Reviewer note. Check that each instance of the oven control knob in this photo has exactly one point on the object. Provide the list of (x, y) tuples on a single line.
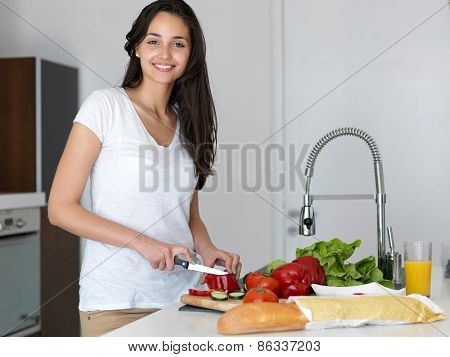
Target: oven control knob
[(20, 223)]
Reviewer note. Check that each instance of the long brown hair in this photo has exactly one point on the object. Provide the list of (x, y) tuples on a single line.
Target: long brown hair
[(191, 92)]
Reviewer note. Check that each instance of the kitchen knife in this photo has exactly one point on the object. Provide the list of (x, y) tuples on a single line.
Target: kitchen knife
[(198, 267)]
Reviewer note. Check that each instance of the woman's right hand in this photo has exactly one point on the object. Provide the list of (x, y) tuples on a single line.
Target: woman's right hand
[(161, 255)]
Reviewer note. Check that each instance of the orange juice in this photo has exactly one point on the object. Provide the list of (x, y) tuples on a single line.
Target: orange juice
[(418, 277)]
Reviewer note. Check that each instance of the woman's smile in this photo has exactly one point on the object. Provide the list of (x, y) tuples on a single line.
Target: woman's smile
[(165, 48), (163, 67)]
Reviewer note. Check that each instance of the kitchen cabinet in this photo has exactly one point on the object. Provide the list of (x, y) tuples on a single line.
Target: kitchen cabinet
[(38, 101), (18, 125), (60, 270)]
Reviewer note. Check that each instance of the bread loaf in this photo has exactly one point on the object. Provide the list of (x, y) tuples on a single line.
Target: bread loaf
[(261, 317)]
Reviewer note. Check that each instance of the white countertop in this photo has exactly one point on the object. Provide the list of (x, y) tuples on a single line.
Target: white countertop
[(22, 200), (170, 322)]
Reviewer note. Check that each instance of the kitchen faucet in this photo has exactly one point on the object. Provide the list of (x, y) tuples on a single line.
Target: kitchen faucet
[(307, 226)]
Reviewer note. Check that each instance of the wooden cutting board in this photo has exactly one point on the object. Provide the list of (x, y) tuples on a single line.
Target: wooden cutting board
[(207, 303)]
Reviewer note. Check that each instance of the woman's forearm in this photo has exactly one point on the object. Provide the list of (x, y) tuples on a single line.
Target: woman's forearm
[(200, 235), (77, 220)]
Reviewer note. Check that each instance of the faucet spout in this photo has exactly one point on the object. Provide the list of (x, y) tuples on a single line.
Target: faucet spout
[(308, 226), (307, 221)]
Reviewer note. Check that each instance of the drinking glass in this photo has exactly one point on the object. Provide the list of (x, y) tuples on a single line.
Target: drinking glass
[(418, 268)]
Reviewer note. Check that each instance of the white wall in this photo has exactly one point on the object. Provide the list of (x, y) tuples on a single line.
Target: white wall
[(90, 35), (238, 36), (401, 99)]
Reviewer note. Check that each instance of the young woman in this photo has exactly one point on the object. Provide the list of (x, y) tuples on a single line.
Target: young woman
[(148, 147)]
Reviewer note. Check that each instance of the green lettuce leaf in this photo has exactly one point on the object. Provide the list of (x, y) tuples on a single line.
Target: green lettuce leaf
[(387, 284), (364, 266), (331, 281), (332, 256), (275, 264)]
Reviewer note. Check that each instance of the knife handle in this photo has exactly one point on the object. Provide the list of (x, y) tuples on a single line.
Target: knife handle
[(181, 262)]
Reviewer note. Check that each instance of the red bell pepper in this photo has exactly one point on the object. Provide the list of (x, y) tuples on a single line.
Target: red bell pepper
[(296, 278), (195, 292), (222, 282), (315, 270)]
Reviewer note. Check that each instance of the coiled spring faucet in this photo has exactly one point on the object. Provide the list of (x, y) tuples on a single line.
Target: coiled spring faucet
[(307, 221)]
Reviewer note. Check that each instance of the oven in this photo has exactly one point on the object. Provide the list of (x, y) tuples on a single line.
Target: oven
[(19, 271)]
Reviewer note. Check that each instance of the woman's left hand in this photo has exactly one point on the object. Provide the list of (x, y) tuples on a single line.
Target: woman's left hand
[(212, 256)]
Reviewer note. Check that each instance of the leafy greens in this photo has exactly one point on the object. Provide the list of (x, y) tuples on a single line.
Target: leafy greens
[(333, 255)]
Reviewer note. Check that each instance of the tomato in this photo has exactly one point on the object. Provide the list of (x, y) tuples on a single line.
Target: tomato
[(267, 283), (250, 278), (253, 280), (260, 295)]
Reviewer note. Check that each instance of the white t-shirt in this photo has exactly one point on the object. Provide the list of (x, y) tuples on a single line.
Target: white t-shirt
[(143, 186)]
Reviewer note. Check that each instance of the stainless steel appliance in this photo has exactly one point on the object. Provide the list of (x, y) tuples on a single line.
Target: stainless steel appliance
[(19, 271)]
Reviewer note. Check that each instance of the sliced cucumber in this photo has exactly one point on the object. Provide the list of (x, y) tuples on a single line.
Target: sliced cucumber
[(237, 295), (219, 296)]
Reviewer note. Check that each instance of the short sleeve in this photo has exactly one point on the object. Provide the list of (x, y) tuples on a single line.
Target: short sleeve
[(94, 114)]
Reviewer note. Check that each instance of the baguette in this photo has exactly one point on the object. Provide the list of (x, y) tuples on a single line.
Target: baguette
[(261, 317)]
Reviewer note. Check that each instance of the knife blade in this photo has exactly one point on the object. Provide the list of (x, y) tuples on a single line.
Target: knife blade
[(198, 267)]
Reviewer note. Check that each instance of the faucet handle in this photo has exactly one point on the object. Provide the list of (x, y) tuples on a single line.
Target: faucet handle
[(392, 269), (397, 273), (391, 239)]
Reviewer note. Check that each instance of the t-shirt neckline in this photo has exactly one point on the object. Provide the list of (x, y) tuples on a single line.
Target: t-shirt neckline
[(147, 133)]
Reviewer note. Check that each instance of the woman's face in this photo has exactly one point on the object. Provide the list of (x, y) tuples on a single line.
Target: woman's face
[(164, 52)]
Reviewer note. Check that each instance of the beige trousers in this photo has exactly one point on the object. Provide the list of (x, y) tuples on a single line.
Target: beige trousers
[(97, 323)]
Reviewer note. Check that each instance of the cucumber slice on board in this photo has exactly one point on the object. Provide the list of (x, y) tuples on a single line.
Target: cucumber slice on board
[(219, 296), (237, 295)]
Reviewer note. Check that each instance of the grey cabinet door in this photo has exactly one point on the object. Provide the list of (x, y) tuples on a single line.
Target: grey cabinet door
[(59, 98)]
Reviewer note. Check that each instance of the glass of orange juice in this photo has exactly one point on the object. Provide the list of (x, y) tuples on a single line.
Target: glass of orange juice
[(418, 268)]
